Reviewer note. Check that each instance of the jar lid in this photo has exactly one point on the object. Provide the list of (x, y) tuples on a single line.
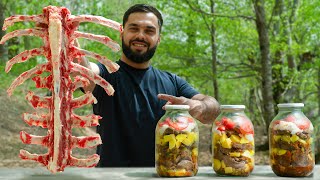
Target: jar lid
[(169, 106), (287, 105), (232, 107)]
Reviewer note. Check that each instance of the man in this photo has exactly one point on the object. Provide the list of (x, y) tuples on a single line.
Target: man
[(130, 116)]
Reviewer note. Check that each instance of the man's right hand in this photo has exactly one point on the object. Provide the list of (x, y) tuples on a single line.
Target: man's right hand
[(90, 65)]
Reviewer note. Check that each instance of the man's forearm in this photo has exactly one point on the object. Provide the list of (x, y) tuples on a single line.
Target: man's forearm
[(84, 62), (90, 65)]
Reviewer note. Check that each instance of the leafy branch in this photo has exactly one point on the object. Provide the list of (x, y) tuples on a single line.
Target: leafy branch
[(232, 17)]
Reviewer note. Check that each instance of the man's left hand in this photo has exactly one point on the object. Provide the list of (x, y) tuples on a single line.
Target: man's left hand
[(203, 108)]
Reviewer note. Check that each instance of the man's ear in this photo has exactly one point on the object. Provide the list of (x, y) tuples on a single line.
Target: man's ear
[(121, 35), (159, 39)]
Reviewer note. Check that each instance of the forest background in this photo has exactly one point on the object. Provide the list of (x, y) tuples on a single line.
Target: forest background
[(253, 52)]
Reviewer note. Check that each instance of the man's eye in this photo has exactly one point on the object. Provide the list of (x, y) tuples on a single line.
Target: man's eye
[(150, 31), (133, 29)]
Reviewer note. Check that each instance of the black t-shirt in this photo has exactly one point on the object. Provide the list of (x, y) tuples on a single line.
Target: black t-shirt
[(130, 116)]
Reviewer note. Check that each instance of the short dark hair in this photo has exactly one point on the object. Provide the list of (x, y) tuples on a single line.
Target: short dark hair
[(143, 8)]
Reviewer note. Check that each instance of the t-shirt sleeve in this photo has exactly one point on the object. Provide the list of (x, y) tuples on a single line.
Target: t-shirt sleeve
[(184, 88)]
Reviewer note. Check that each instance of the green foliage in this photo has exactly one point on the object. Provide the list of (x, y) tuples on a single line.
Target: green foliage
[(105, 8), (186, 46), (238, 51)]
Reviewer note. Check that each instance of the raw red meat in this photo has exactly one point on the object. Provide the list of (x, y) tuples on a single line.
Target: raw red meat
[(58, 32)]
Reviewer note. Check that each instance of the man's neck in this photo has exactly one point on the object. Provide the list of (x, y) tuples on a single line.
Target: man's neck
[(144, 65)]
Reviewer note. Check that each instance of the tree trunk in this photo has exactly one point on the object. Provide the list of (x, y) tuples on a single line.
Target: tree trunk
[(282, 30), (3, 48), (278, 58), (292, 90), (317, 133), (318, 90), (214, 54), (266, 69), (290, 21), (191, 40)]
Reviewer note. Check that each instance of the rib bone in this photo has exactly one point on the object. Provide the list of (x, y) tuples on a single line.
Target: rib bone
[(22, 57), (103, 39), (58, 31), (13, 19)]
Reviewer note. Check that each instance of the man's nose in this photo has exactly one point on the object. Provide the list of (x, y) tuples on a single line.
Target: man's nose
[(141, 35)]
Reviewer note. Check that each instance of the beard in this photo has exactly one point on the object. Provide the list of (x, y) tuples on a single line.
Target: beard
[(136, 56)]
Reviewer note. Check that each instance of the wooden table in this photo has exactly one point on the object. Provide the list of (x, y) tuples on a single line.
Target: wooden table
[(205, 173)]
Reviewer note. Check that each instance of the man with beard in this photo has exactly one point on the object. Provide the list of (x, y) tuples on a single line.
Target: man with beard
[(129, 118)]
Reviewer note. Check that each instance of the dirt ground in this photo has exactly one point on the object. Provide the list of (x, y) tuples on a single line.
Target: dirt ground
[(11, 124)]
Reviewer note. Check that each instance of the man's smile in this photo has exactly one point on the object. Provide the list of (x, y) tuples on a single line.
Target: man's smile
[(139, 46)]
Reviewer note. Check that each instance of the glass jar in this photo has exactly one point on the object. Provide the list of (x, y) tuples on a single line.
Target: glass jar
[(291, 145), (177, 139), (233, 142)]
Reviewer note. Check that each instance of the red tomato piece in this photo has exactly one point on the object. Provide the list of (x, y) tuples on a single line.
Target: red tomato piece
[(228, 123), (246, 128), (302, 123), (276, 122), (180, 124), (221, 128), (290, 118), (218, 123), (165, 122)]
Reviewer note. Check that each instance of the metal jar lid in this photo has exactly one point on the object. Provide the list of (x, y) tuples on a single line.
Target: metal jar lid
[(229, 107), (290, 105), (169, 106)]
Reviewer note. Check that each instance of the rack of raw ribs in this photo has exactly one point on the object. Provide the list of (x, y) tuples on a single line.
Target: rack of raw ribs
[(58, 30)]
